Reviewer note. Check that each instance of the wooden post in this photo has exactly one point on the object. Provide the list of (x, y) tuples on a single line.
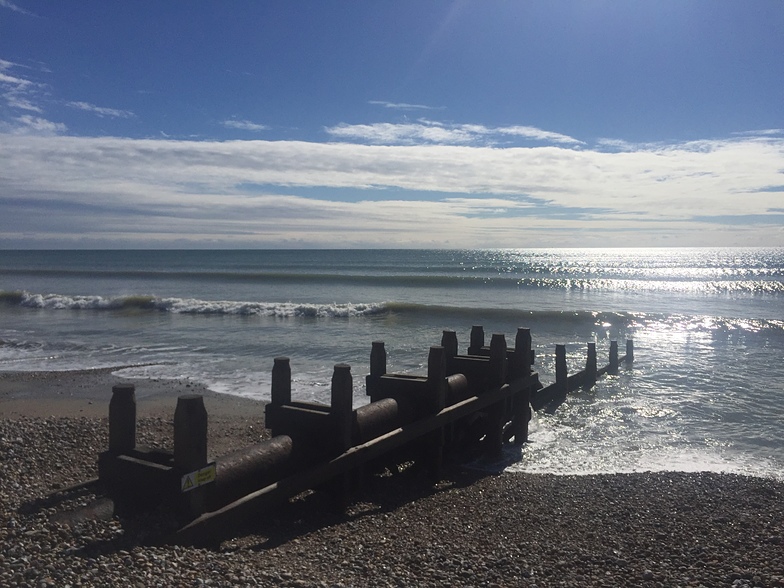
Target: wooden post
[(341, 408), (520, 364), (495, 412), (613, 367), (378, 367), (590, 365), (122, 419), (190, 449), (477, 340), (281, 381), (342, 403), (629, 350), (561, 374), (449, 343), (436, 383), (521, 403)]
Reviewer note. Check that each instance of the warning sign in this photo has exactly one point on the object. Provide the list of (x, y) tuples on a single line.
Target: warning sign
[(198, 478)]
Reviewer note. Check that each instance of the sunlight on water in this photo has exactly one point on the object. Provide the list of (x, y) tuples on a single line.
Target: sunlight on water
[(704, 392)]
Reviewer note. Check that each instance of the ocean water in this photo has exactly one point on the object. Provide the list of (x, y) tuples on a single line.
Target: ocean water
[(706, 390)]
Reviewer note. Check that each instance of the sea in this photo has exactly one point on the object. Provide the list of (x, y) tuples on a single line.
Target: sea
[(704, 393)]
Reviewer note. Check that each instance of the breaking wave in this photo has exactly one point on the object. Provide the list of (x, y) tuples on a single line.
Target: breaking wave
[(141, 303)]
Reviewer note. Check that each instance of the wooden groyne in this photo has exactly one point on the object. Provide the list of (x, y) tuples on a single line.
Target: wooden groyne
[(551, 397), (466, 405)]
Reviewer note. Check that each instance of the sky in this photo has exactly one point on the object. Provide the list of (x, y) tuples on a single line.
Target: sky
[(439, 124)]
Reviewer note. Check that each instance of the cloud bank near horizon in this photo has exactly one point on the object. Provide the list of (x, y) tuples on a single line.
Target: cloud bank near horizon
[(424, 183), (96, 190)]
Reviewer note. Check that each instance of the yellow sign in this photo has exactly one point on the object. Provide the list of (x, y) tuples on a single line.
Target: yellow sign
[(198, 478)]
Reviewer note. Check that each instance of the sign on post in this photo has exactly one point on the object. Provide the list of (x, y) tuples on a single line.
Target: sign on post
[(198, 478)]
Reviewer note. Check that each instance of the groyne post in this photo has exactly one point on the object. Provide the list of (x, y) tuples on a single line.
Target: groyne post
[(378, 367), (477, 340), (122, 419), (281, 381), (613, 367), (629, 350), (495, 412), (590, 365), (341, 409), (341, 404), (561, 374), (436, 384), (449, 343), (521, 403), (190, 449)]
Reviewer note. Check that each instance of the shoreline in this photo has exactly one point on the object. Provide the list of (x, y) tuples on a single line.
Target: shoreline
[(87, 392), (508, 529)]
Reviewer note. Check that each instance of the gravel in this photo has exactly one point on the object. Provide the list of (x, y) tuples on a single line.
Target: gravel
[(471, 529)]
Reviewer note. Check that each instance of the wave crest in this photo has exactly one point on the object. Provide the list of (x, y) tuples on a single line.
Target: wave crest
[(189, 305)]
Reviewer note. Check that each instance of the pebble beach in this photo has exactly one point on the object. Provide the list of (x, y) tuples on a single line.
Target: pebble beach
[(472, 528)]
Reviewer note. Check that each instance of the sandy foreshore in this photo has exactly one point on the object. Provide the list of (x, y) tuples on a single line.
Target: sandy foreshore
[(471, 529)]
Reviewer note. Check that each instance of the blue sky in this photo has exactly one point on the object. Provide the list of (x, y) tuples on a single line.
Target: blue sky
[(391, 124)]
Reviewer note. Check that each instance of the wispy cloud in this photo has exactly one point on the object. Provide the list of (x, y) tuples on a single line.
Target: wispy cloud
[(243, 125), (404, 105), (11, 6), (33, 125), (147, 191), (433, 132), (100, 110), (761, 133), (18, 92)]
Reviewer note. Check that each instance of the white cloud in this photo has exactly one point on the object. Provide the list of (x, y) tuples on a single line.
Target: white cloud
[(761, 133), (11, 6), (243, 125), (19, 93), (419, 195), (403, 105), (434, 132), (536, 134), (100, 110), (35, 125)]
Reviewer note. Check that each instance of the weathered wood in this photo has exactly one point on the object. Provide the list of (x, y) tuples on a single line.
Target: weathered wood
[(122, 419), (341, 405), (561, 374), (477, 340), (281, 382), (215, 525), (190, 448), (590, 365), (613, 367), (378, 367), (496, 377), (629, 351), (449, 343)]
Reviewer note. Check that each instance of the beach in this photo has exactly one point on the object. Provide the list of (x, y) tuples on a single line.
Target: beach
[(473, 528)]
